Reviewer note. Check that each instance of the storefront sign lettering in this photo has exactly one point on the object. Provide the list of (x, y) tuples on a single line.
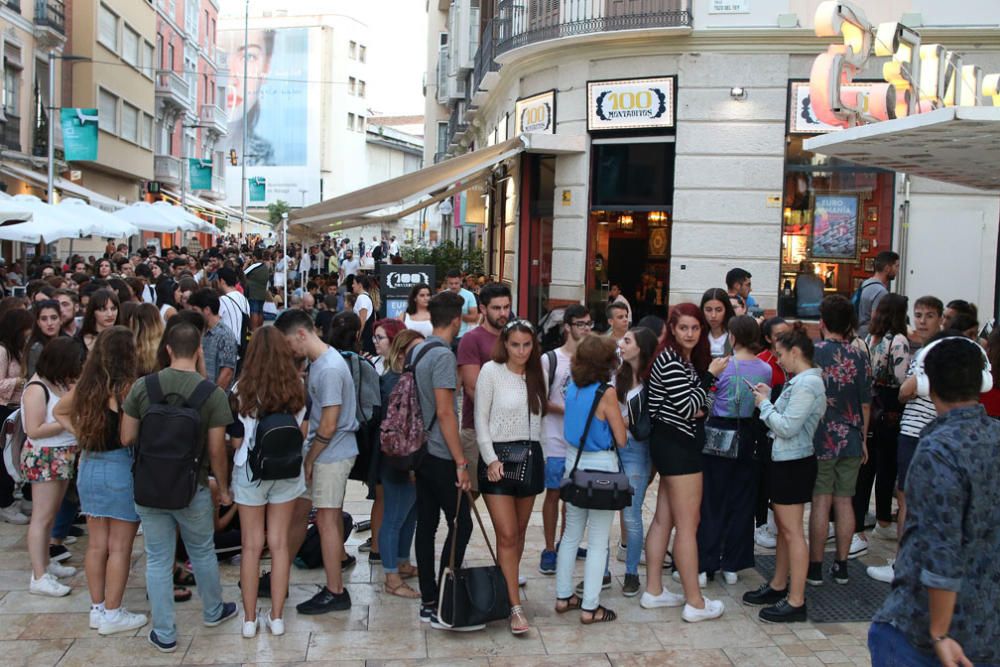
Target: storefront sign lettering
[(536, 114), (631, 104), (918, 77)]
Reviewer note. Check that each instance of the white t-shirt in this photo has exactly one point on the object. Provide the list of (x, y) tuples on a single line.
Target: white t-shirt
[(394, 248), (718, 345), (350, 267), (232, 307), (279, 273), (363, 302), (918, 411), (553, 442)]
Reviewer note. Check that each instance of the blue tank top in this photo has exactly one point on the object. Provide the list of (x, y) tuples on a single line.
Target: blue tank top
[(578, 403)]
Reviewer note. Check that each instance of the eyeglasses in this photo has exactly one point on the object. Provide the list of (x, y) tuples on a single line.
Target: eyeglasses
[(378, 338), (583, 324)]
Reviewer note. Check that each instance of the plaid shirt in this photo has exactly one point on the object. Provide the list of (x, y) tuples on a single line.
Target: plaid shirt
[(220, 348)]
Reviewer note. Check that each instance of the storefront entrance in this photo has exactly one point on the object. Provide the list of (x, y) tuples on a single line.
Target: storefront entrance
[(538, 184)]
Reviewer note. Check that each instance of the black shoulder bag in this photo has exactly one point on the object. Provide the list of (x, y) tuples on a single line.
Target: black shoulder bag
[(596, 489)]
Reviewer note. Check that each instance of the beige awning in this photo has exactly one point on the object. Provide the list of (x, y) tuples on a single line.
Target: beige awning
[(67, 186), (440, 180)]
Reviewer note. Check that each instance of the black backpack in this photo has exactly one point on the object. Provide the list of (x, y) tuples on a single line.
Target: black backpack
[(310, 555), (170, 447), (242, 336), (277, 449)]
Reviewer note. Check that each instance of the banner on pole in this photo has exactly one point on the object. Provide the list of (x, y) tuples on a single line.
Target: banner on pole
[(79, 128), (200, 173), (258, 188)]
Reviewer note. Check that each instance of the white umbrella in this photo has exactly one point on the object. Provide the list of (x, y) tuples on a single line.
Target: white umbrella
[(101, 223), (145, 216), (9, 210), (47, 224), (191, 222)]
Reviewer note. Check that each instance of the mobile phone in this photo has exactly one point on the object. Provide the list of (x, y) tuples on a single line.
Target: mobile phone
[(20, 292), (749, 384)]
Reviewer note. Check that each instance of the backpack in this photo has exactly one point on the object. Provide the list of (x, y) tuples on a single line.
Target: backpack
[(403, 435), (552, 361), (277, 449), (242, 336), (377, 253), (170, 447), (15, 437), (310, 555), (856, 297), (367, 413)]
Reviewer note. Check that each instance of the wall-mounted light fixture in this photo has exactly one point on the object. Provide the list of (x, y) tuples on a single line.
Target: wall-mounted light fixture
[(738, 93)]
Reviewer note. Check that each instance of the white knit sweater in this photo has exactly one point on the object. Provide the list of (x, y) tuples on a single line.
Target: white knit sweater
[(502, 410)]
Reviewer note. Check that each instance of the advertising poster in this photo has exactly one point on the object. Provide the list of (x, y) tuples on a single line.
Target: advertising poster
[(535, 114), (835, 228), (281, 109), (79, 130), (396, 280), (257, 186), (630, 104), (200, 173)]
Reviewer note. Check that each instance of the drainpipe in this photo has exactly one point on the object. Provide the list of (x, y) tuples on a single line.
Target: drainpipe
[(904, 235)]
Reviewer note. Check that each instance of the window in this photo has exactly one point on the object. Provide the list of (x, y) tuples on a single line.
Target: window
[(146, 131), (170, 57), (148, 59), (107, 28), (442, 39), (352, 50), (130, 123), (350, 121), (359, 125), (352, 86), (362, 53), (159, 50), (442, 138), (361, 88), (131, 43), (11, 95), (107, 110)]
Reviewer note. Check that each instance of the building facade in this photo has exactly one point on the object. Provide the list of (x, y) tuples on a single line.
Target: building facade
[(677, 130)]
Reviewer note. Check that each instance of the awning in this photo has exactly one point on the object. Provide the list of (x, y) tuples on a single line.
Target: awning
[(211, 209), (67, 186), (403, 190), (954, 145)]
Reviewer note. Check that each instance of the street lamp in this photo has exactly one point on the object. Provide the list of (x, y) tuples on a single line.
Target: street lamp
[(51, 177), (284, 253)]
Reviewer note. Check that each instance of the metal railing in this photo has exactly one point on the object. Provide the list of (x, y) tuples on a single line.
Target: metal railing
[(171, 83), (52, 14), (440, 156), (213, 115), (11, 132), (484, 60), (520, 23), (456, 123), (14, 5)]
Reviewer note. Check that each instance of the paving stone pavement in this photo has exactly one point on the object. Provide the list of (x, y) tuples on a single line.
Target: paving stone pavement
[(382, 630)]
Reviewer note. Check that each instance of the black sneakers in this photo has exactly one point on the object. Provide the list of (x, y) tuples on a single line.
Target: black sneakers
[(605, 584), (783, 613), (325, 601), (839, 572), (631, 586), (815, 575), (350, 561), (765, 595)]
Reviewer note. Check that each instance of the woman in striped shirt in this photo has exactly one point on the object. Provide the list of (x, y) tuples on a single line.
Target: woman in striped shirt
[(678, 398)]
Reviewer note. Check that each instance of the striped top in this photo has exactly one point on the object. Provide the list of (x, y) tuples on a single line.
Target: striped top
[(918, 411), (674, 391)]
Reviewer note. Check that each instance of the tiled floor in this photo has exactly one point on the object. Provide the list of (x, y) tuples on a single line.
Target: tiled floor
[(384, 630)]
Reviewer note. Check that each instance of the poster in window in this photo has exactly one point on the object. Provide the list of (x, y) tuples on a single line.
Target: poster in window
[(835, 228), (658, 242)]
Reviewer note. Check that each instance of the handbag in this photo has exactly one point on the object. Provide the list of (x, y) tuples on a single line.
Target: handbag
[(472, 595), (640, 425), (725, 442), (596, 489), (517, 460)]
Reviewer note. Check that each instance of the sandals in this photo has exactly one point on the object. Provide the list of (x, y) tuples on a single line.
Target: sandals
[(518, 621), (181, 594), (572, 602), (407, 572), (403, 590), (606, 616)]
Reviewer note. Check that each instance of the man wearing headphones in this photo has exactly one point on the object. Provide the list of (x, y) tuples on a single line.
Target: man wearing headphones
[(942, 608)]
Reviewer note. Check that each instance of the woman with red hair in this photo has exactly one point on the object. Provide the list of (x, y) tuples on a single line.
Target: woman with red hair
[(678, 385)]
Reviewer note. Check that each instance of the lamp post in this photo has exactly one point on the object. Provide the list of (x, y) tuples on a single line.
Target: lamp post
[(284, 253), (52, 108), (243, 162)]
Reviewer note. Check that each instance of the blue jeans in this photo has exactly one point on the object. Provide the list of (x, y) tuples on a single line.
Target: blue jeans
[(197, 530), (399, 521), (890, 648), (64, 517), (635, 459)]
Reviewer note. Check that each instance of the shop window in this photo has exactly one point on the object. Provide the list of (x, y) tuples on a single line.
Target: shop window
[(836, 219)]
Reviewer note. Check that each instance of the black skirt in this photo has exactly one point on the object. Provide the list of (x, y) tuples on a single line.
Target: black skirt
[(507, 487), (792, 482)]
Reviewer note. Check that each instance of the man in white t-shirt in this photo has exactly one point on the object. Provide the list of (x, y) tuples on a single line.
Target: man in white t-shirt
[(615, 296), (232, 305), (350, 266), (577, 323), (393, 247)]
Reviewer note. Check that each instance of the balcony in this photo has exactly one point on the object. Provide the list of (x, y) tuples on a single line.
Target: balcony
[(174, 90), (214, 119), (13, 5), (11, 132), (167, 169), (440, 156), (485, 72), (520, 24), (456, 125), (50, 23), (218, 191)]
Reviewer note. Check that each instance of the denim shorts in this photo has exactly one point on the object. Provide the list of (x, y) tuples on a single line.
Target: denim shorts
[(256, 306), (555, 468), (265, 492), (104, 483)]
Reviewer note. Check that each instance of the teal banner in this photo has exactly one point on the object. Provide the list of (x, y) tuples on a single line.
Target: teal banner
[(258, 188), (200, 173), (79, 128)]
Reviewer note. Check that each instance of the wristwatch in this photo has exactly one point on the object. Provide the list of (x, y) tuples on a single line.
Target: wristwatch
[(461, 465), (937, 640)]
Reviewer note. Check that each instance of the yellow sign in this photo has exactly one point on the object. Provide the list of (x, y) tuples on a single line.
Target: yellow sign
[(567, 197)]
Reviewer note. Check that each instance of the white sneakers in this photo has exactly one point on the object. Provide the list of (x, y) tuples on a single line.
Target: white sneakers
[(763, 537), (96, 616), (58, 570), (713, 609), (664, 599), (13, 515), (883, 573), (702, 578), (48, 585), (730, 577), (859, 546), (120, 620), (275, 625), (885, 532)]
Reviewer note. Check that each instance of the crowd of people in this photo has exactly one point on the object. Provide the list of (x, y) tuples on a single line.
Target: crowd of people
[(150, 392)]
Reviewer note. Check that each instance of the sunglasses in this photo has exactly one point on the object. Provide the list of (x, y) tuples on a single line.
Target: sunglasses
[(519, 323)]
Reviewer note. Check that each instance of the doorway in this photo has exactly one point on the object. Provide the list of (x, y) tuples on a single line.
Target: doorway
[(538, 182)]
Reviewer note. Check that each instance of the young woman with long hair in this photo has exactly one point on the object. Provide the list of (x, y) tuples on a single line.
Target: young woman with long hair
[(92, 412), (766, 532), (638, 346), (399, 514), (47, 324), (103, 269), (386, 331), (793, 419), (417, 316), (510, 403), (593, 366), (725, 534), (148, 329), (678, 397), (269, 383), (718, 310), (15, 327), (48, 457), (101, 314)]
